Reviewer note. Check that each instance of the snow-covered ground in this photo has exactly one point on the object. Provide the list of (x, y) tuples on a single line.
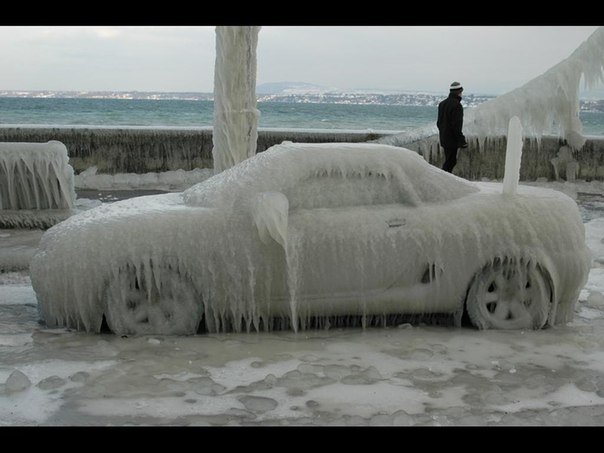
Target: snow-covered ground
[(407, 375)]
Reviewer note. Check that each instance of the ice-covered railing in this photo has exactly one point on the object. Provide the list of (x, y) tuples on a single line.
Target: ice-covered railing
[(36, 184), (547, 103), (407, 137), (133, 149), (173, 180)]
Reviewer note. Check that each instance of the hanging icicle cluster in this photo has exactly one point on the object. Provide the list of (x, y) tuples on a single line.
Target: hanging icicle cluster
[(548, 102), (546, 105), (36, 184)]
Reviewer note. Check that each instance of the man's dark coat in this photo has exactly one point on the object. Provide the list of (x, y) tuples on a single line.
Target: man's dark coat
[(450, 122)]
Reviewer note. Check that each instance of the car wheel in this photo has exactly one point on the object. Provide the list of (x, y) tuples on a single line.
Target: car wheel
[(160, 302), (510, 294)]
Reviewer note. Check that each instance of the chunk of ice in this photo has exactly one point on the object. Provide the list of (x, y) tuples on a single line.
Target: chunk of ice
[(17, 382)]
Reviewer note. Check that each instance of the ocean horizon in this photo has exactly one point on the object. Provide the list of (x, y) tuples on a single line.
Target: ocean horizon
[(187, 113)]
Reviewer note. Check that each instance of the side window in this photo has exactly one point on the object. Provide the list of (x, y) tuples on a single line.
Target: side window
[(335, 189)]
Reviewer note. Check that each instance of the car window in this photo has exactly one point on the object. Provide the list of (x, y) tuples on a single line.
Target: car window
[(334, 189), (328, 175)]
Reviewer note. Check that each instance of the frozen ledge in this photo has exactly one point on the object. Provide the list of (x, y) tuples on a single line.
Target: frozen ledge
[(32, 219), (141, 150)]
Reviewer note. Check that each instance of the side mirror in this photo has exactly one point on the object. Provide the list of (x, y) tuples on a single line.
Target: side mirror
[(270, 213)]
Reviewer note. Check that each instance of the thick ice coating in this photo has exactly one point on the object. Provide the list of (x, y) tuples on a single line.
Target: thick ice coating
[(549, 101), (547, 104), (303, 235), (36, 184), (235, 113)]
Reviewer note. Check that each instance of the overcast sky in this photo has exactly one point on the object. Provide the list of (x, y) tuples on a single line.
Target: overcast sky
[(485, 59)]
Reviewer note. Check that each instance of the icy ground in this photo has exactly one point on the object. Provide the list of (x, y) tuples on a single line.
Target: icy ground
[(407, 375)]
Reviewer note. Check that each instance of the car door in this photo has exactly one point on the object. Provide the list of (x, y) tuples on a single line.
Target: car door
[(349, 235)]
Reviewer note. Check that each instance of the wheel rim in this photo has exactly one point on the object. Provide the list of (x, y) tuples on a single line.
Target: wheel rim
[(136, 306), (509, 296)]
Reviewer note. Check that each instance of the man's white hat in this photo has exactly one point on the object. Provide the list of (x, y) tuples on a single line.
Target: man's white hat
[(455, 86)]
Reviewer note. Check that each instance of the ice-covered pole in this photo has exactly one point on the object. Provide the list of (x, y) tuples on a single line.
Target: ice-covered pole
[(235, 132), (513, 156)]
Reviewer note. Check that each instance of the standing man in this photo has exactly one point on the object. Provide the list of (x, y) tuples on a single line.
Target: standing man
[(449, 123)]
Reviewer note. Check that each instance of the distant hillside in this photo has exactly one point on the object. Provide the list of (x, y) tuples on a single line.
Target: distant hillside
[(293, 92), (290, 88)]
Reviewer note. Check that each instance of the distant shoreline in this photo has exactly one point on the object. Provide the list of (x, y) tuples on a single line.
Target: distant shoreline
[(410, 99)]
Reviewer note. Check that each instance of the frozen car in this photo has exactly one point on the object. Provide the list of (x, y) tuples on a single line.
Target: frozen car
[(308, 232)]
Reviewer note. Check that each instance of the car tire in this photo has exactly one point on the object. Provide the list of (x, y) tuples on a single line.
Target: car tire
[(510, 294), (137, 306)]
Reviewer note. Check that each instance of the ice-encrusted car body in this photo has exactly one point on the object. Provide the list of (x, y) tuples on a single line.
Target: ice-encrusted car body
[(303, 232)]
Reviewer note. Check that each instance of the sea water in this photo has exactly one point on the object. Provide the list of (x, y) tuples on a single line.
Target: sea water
[(200, 113)]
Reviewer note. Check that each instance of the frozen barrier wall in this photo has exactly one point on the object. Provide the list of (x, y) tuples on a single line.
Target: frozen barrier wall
[(144, 150), (485, 158), (36, 184), (123, 150)]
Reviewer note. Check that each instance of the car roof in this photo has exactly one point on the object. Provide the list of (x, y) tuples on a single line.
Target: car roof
[(281, 166)]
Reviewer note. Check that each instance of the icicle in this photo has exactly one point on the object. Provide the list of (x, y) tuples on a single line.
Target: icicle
[(292, 258)]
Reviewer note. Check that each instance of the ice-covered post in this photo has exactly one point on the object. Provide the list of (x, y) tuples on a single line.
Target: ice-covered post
[(235, 134), (513, 156)]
